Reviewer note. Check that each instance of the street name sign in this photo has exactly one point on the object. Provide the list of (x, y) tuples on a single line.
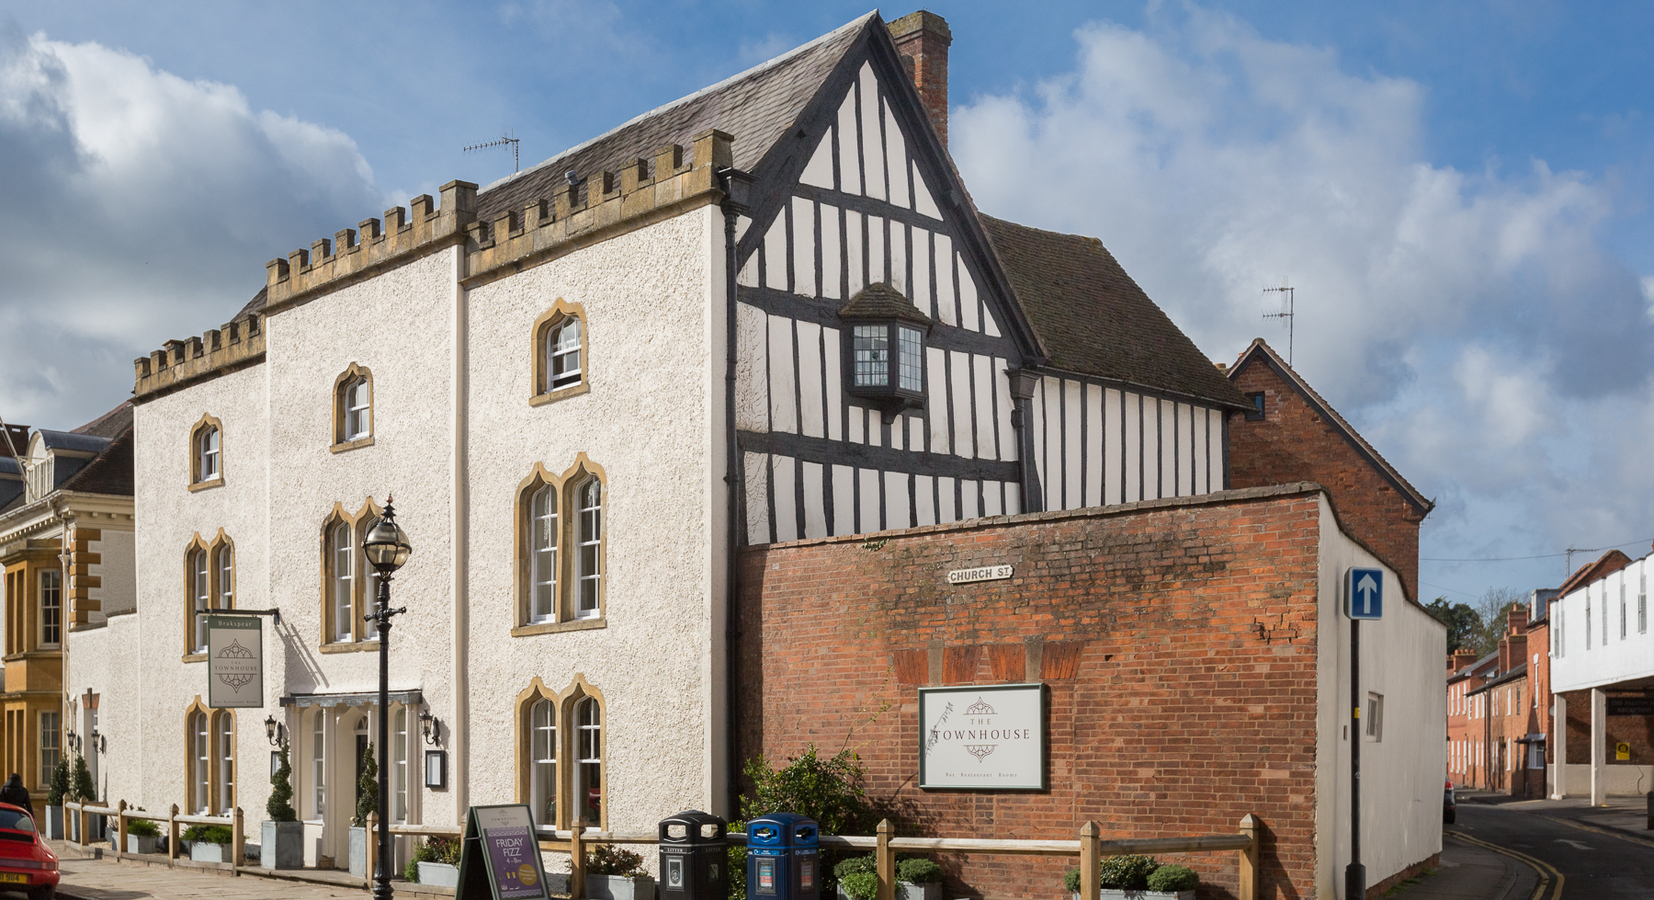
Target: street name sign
[(235, 662), (500, 855), (1364, 589), (984, 573)]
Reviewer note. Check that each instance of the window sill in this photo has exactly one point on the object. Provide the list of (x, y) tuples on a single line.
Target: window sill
[(215, 481), (556, 627), (350, 646), (344, 446), (573, 390), (194, 657)]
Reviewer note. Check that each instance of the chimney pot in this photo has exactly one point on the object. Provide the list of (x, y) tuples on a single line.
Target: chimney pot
[(923, 37)]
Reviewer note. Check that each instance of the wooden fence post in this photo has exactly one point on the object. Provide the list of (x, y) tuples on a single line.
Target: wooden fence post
[(373, 845), (120, 828), (238, 840), (577, 853), (1249, 859), (172, 833), (1091, 862), (885, 860), (84, 822)]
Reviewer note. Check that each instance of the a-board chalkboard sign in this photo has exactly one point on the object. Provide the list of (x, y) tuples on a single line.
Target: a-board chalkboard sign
[(500, 856)]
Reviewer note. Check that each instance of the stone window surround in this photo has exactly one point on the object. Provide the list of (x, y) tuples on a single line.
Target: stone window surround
[(363, 636), (210, 549), (567, 549), (351, 375), (215, 763), (197, 483), (561, 311), (565, 702)]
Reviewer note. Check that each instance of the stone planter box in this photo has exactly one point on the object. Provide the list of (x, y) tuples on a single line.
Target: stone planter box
[(439, 874), (359, 852), (620, 887), (136, 843), (281, 845), (907, 890), (1118, 894), (201, 851), (54, 823)]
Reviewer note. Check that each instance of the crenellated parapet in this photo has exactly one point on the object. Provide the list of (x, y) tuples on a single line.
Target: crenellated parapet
[(602, 204), (182, 362), (356, 253)]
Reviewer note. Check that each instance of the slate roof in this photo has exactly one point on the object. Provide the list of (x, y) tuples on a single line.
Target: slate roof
[(1261, 351), (756, 107), (111, 424), (110, 473), (1090, 317)]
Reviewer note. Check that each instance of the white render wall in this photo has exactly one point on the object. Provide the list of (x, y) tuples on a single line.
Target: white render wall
[(653, 421), (1403, 774), (1607, 654), (454, 436)]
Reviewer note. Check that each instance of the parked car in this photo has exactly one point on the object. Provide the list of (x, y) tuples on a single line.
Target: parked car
[(26, 863), (1450, 807)]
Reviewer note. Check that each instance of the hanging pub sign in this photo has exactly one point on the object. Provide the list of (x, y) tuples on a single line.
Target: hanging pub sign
[(984, 737), (235, 662), (500, 856)]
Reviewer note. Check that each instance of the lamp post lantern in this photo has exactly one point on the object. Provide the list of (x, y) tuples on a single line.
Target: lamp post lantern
[(387, 548)]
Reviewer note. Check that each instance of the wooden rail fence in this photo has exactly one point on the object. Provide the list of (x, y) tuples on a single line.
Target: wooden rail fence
[(1090, 848)]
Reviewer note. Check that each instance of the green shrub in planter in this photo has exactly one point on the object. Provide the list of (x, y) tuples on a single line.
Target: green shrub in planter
[(433, 850), (146, 828), (923, 871), (1071, 881), (1128, 873), (607, 859), (1173, 879), (59, 785), (209, 834), (859, 885), (857, 865)]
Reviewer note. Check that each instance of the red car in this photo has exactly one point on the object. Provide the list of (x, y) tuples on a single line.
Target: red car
[(26, 863)]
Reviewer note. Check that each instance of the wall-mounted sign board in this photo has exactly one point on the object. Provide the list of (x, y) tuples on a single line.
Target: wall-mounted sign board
[(235, 662), (984, 737), (983, 573), (500, 855)]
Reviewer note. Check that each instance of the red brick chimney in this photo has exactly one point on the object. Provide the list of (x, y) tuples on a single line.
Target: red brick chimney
[(1517, 619), (923, 39)]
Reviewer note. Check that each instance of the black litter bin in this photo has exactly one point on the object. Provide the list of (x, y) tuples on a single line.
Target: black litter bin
[(693, 857), (783, 858)]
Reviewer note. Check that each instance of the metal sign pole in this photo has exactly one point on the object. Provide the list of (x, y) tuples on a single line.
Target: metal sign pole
[(1355, 874)]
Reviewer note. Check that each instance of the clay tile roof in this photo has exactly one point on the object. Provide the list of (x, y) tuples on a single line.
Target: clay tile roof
[(110, 473), (1090, 317), (757, 107), (1261, 351), (110, 424), (881, 301)]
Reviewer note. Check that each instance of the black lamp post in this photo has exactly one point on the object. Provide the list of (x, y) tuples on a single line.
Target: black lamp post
[(386, 548)]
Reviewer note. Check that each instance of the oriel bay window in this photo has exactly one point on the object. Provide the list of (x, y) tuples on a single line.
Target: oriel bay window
[(560, 548), (885, 352), (554, 726), (209, 584), (350, 587)]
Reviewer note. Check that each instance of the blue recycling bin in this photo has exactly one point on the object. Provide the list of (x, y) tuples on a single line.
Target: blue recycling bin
[(693, 857), (783, 858)]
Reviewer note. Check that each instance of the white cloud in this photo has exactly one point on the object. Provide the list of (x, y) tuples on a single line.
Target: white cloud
[(141, 206), (1471, 322)]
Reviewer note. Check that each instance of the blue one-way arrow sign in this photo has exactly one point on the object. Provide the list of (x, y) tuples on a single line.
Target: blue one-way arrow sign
[(1365, 590)]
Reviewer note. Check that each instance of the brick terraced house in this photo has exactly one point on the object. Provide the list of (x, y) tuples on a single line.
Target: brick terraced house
[(690, 426)]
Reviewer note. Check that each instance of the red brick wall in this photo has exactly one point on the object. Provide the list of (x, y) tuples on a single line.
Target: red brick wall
[(1638, 731), (1177, 640), (1292, 443)]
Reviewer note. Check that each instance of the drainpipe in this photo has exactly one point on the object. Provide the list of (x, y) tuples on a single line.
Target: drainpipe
[(459, 734), (1023, 383), (735, 185)]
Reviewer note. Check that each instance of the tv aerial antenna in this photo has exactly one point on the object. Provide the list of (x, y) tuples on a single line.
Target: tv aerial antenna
[(501, 141), (1288, 311)]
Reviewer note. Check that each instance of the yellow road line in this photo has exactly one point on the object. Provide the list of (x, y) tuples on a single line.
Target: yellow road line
[(1595, 830), (1540, 867)]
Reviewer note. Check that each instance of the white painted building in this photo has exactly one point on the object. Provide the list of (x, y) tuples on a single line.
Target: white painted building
[(1600, 643)]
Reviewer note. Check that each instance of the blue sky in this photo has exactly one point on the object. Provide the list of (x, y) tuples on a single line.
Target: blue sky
[(1460, 193)]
